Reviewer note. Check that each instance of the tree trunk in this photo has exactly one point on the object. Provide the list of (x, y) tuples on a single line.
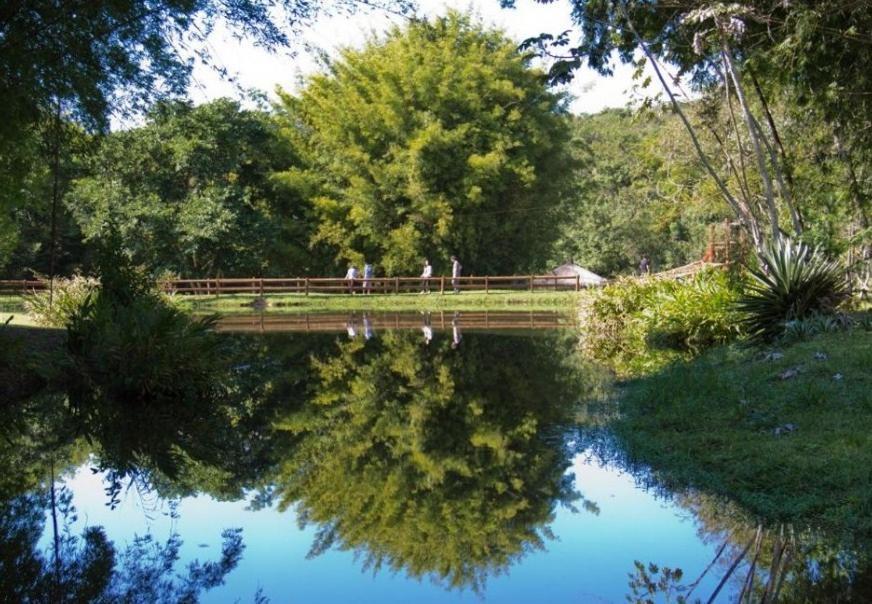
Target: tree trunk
[(741, 213), (755, 140), (55, 194)]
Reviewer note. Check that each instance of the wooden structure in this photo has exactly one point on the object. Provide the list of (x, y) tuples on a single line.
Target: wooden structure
[(726, 243), (21, 286), (260, 286), (376, 285)]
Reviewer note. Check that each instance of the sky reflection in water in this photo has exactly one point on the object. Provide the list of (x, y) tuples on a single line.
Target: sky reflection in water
[(453, 462)]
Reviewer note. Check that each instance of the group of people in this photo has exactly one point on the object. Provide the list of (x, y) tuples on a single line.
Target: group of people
[(352, 276)]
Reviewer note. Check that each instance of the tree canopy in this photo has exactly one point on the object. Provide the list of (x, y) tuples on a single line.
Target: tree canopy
[(438, 139), (191, 192)]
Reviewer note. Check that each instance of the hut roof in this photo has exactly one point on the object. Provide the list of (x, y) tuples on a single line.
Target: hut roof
[(587, 277)]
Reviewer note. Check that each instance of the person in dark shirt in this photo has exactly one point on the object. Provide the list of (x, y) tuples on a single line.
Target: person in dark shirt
[(644, 265)]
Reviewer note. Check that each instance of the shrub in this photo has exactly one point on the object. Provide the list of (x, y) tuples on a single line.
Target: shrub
[(637, 325), (55, 310), (793, 282), (126, 342)]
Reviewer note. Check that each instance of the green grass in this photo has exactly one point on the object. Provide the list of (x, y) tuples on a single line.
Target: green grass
[(722, 423), (465, 301), (11, 304)]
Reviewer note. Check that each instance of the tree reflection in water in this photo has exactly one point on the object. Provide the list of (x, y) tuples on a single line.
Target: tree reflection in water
[(761, 562), (439, 461), (432, 460)]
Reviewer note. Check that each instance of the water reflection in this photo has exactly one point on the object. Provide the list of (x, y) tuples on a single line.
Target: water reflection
[(429, 461), (440, 452), (370, 323)]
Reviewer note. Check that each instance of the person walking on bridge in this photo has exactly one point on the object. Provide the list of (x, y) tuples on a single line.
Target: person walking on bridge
[(350, 277), (426, 274), (368, 273), (456, 268)]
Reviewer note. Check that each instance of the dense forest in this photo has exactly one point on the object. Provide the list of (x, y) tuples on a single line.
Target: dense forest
[(440, 138)]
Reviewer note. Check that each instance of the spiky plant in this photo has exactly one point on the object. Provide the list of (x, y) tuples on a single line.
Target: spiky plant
[(793, 282)]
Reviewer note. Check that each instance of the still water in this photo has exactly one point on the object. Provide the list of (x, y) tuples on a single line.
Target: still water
[(441, 461)]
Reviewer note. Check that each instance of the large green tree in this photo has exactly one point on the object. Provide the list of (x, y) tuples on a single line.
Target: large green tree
[(84, 62), (813, 51), (438, 139), (191, 192)]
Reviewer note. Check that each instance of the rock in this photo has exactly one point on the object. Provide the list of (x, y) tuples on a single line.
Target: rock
[(821, 356), (838, 377), (789, 373), (784, 429)]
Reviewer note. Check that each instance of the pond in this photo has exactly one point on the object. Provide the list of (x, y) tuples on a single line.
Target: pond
[(407, 458)]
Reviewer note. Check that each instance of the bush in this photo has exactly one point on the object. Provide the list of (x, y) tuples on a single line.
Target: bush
[(792, 283), (126, 342), (638, 325), (55, 310)]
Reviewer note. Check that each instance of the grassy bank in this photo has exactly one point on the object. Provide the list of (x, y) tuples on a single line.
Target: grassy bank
[(11, 304), (295, 303), (786, 433)]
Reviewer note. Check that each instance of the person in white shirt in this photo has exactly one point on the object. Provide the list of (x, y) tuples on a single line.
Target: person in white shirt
[(426, 329), (368, 272), (456, 267), (426, 274), (456, 336), (350, 276)]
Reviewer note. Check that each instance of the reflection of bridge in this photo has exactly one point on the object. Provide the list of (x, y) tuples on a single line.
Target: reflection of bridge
[(358, 321)]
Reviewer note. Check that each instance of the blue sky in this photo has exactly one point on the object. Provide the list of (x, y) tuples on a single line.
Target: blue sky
[(259, 69)]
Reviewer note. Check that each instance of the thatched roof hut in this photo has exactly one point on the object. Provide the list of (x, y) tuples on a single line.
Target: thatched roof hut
[(570, 270)]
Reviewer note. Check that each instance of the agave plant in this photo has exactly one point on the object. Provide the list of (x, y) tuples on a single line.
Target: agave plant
[(793, 282)]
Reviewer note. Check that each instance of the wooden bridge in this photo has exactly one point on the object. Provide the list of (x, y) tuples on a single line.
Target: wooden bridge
[(336, 285), (260, 286)]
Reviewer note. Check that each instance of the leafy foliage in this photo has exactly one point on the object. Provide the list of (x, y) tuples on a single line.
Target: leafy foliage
[(637, 190), (637, 325), (792, 282), (437, 140), (55, 309), (127, 342), (190, 193), (436, 461)]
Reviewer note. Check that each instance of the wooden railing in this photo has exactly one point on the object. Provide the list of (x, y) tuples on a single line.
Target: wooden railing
[(376, 285), (338, 285), (21, 286)]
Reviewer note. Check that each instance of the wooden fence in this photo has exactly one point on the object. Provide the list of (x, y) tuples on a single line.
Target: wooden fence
[(21, 286), (335, 285), (376, 285)]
